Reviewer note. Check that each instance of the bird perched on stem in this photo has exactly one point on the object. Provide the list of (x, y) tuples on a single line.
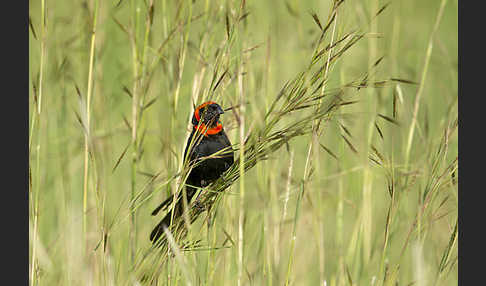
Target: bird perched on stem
[(208, 151)]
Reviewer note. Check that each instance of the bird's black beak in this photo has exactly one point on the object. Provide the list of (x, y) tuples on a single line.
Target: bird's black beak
[(220, 110)]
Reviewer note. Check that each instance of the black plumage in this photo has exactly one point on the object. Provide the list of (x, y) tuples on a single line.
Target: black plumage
[(206, 139)]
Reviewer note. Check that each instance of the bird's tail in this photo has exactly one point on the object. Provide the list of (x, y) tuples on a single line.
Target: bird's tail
[(178, 210), (165, 222)]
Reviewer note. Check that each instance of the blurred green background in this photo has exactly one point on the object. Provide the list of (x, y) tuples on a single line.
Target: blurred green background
[(159, 57)]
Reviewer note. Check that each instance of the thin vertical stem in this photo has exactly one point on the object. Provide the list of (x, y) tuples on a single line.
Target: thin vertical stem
[(416, 109), (35, 207), (42, 43), (133, 143), (315, 140), (367, 207), (294, 234), (289, 179), (422, 82), (36, 218), (88, 116), (242, 175)]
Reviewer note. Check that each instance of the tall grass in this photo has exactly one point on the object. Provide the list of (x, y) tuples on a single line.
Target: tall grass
[(346, 170)]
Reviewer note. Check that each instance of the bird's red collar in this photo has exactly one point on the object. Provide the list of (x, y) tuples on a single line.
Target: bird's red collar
[(202, 128)]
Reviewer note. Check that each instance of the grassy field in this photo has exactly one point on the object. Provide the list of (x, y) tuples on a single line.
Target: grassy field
[(366, 194)]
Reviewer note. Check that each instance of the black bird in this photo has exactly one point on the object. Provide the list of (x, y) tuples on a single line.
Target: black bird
[(207, 137)]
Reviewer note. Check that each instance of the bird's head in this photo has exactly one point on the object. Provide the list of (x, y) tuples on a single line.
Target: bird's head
[(206, 116)]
